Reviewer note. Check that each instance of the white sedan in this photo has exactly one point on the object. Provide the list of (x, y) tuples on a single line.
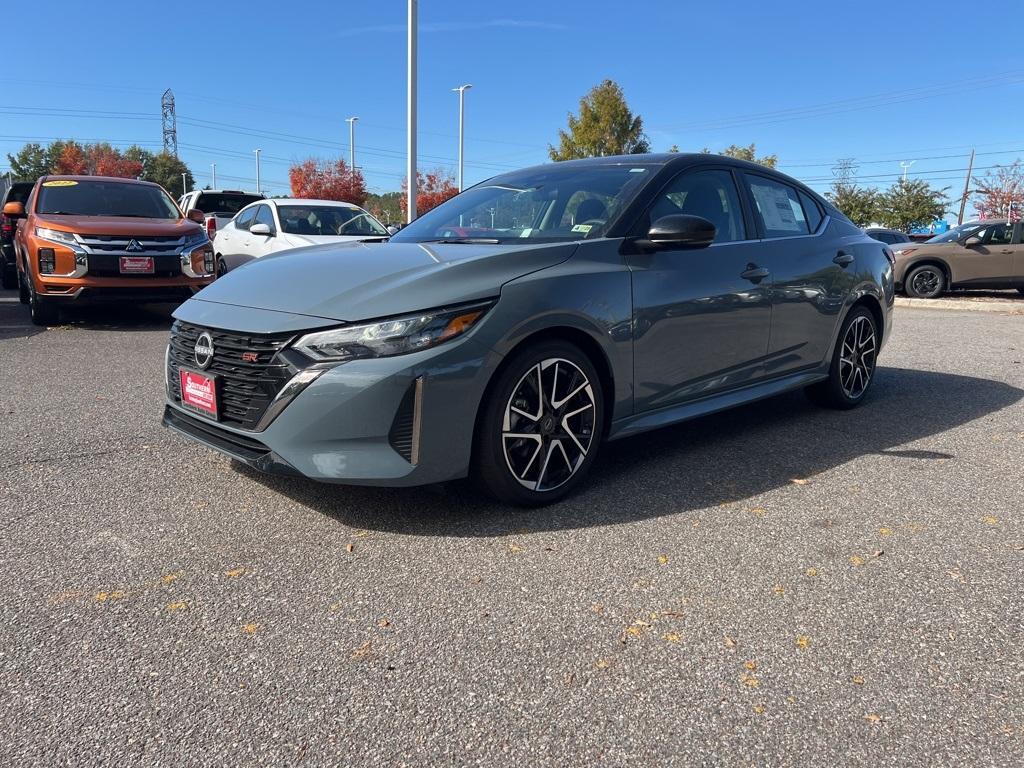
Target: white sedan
[(279, 224)]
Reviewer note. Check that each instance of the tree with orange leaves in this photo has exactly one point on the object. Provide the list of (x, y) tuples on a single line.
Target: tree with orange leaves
[(327, 180), (432, 189)]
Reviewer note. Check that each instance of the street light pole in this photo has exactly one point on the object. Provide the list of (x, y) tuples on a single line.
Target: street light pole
[(410, 159), (462, 122), (905, 167), (214, 166), (351, 141), (257, 151), (184, 187)]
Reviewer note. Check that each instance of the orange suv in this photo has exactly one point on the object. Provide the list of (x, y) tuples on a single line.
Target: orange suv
[(94, 238)]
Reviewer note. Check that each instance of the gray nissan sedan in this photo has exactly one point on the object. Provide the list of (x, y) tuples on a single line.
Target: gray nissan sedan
[(510, 331)]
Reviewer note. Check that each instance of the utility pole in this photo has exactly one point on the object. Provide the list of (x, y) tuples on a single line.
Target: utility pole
[(462, 121), (967, 190), (410, 159), (184, 187), (257, 151), (351, 142), (214, 166)]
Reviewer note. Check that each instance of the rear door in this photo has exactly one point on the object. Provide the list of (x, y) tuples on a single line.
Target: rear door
[(812, 272)]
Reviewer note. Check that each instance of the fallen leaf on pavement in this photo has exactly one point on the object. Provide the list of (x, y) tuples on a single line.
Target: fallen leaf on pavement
[(729, 642), (759, 709), (750, 681), (662, 559), (802, 641), (603, 663), (167, 578), (779, 590), (800, 481), (857, 680), (871, 717), (350, 547), (515, 547), (362, 651), (250, 629), (990, 520), (885, 531), (383, 623), (235, 573), (597, 608), (672, 637), (857, 560), (811, 571), (176, 606)]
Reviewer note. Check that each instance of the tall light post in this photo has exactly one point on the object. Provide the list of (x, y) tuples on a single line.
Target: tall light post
[(214, 167), (462, 122), (351, 141), (410, 159), (257, 151), (905, 166), (184, 185)]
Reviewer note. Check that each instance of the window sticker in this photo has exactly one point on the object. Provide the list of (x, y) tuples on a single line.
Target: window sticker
[(60, 183), (774, 204), (584, 228)]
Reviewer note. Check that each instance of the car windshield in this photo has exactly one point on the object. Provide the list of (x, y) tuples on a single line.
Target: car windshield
[(227, 203), (547, 204), (337, 220), (956, 233), (105, 198)]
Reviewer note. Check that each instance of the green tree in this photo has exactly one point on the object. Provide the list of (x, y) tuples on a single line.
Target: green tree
[(30, 162), (911, 203), (165, 169), (859, 204), (748, 153), (387, 206), (605, 126)]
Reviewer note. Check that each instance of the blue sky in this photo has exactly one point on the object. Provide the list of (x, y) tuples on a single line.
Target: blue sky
[(808, 81)]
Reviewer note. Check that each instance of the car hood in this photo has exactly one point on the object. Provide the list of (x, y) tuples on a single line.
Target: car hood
[(359, 281), (119, 225)]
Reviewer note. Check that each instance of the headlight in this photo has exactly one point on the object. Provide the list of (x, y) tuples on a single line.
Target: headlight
[(56, 235), (396, 336)]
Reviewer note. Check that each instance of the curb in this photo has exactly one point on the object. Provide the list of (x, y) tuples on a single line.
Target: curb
[(1004, 306)]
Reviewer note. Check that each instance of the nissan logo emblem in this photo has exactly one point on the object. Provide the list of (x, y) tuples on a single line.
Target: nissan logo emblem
[(204, 350)]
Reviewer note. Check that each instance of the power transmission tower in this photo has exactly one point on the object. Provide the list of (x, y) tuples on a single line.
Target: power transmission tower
[(844, 170), (170, 122)]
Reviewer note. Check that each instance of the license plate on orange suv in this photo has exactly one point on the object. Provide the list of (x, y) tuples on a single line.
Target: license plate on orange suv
[(137, 265), (199, 392)]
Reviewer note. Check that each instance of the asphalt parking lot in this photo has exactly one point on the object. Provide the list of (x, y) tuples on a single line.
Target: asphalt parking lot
[(778, 585)]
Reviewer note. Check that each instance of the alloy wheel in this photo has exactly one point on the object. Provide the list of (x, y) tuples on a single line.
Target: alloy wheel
[(857, 359), (548, 424), (926, 282)]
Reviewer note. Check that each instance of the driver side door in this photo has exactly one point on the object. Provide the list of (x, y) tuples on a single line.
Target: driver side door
[(701, 316)]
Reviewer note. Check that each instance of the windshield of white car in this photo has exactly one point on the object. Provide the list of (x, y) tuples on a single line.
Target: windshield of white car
[(956, 233), (105, 198), (329, 220), (549, 204)]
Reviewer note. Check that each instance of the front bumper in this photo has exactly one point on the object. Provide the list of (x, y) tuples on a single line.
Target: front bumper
[(353, 424)]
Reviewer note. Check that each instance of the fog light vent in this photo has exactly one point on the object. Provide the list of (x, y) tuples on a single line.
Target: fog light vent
[(405, 429)]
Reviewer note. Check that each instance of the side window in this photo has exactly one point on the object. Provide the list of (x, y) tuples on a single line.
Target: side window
[(265, 216), (709, 194), (811, 211), (778, 207), (244, 220), (1000, 234)]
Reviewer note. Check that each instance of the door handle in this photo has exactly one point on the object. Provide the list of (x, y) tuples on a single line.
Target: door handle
[(843, 259), (754, 273)]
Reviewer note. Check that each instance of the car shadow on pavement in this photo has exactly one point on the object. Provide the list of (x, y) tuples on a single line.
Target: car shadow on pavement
[(727, 457), (16, 323)]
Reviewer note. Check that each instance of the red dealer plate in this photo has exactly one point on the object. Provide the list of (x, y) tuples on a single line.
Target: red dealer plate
[(137, 265), (199, 392)]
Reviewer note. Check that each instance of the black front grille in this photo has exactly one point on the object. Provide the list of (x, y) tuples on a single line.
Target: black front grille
[(109, 265), (245, 387)]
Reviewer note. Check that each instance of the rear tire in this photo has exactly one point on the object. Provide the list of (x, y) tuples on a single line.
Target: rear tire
[(925, 282), (852, 370), (540, 427)]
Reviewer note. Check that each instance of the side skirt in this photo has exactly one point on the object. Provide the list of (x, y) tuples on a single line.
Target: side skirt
[(693, 409)]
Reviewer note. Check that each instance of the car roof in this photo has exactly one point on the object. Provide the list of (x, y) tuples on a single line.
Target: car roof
[(86, 177), (226, 192), (310, 201)]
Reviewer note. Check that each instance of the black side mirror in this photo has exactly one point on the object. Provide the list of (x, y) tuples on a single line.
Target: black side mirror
[(680, 230)]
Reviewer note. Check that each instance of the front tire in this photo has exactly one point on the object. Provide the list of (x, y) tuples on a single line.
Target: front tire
[(41, 311), (541, 426), (925, 282), (852, 370)]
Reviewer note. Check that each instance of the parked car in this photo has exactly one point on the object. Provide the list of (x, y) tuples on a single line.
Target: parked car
[(276, 225), (631, 293), (219, 206), (93, 238), (16, 193), (979, 254), (887, 236)]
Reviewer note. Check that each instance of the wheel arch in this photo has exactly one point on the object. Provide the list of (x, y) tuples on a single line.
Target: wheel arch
[(874, 306), (572, 335)]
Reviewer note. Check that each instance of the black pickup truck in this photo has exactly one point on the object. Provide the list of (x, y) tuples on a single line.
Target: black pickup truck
[(16, 193)]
